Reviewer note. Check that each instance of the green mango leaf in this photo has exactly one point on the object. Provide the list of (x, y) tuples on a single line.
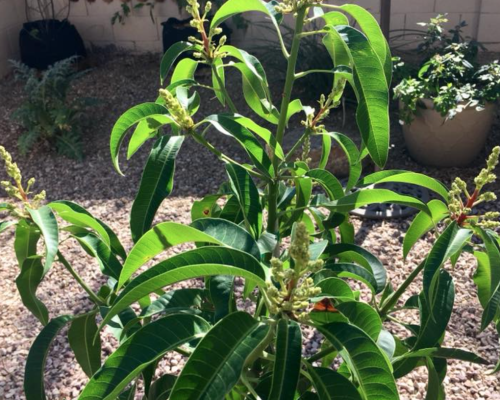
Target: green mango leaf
[(448, 243), (27, 283), (337, 288), (147, 345), (156, 184), (248, 197), (206, 261), (160, 238), (352, 253), (94, 246), (6, 224), (227, 354), (435, 389), (229, 233), (171, 55), (146, 129), (492, 307), (372, 196), (387, 343), (348, 270), (25, 240), (107, 235), (45, 219), (185, 69), (331, 385), (127, 120), (362, 316), (128, 394), (161, 388), (206, 207), (221, 292), (365, 361), (218, 73), (229, 125), (374, 34), (123, 325), (406, 177), (288, 360), (34, 386), (328, 182), (175, 301), (371, 88), (81, 336), (233, 7), (423, 223)]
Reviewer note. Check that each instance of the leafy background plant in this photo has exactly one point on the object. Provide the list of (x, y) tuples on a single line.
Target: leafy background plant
[(49, 115), (264, 341)]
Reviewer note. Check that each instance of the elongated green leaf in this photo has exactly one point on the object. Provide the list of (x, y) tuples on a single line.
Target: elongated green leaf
[(328, 181), (450, 241), (6, 224), (364, 359), (170, 56), (423, 223), (375, 36), (27, 283), (406, 177), (26, 239), (45, 220), (353, 253), (206, 261), (147, 345), (34, 387), (157, 240), (116, 246), (216, 364), (146, 129), (493, 273), (230, 126), (233, 7), (248, 196), (156, 184), (331, 385), (287, 365), (94, 246), (228, 233), (221, 291), (127, 120), (184, 70), (372, 90), (362, 316), (336, 288), (372, 196), (435, 389), (161, 388), (81, 336), (175, 301), (348, 270)]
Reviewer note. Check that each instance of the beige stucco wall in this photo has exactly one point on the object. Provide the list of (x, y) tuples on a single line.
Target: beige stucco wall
[(139, 33), (11, 20)]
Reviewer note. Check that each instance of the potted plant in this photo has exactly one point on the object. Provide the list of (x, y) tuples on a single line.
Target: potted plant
[(448, 108), (45, 38)]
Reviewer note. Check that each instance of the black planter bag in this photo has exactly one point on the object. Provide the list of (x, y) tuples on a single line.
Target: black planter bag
[(45, 42)]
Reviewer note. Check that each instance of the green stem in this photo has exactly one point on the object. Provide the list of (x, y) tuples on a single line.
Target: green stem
[(392, 300), (96, 299), (272, 220), (321, 354), (313, 71), (230, 103)]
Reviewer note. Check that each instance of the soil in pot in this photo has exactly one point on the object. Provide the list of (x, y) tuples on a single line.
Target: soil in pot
[(434, 141), (45, 42)]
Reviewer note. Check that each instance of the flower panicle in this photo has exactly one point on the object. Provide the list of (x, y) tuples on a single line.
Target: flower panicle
[(177, 111)]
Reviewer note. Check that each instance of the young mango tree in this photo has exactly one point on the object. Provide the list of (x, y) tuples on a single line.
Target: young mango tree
[(242, 231)]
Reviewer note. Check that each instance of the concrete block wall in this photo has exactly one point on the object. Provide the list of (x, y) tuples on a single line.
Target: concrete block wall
[(11, 20), (140, 33)]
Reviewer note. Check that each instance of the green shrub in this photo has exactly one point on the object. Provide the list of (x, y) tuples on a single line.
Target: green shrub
[(47, 115), (240, 232)]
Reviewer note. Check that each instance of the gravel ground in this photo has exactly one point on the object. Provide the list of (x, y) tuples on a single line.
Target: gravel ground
[(121, 81)]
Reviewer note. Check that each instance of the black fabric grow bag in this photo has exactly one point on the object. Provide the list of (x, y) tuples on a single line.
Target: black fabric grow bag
[(45, 42)]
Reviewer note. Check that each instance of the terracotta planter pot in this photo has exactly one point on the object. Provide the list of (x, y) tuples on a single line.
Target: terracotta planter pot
[(433, 141)]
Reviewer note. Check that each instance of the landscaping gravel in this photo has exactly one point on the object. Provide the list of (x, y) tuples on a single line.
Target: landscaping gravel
[(121, 81)]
